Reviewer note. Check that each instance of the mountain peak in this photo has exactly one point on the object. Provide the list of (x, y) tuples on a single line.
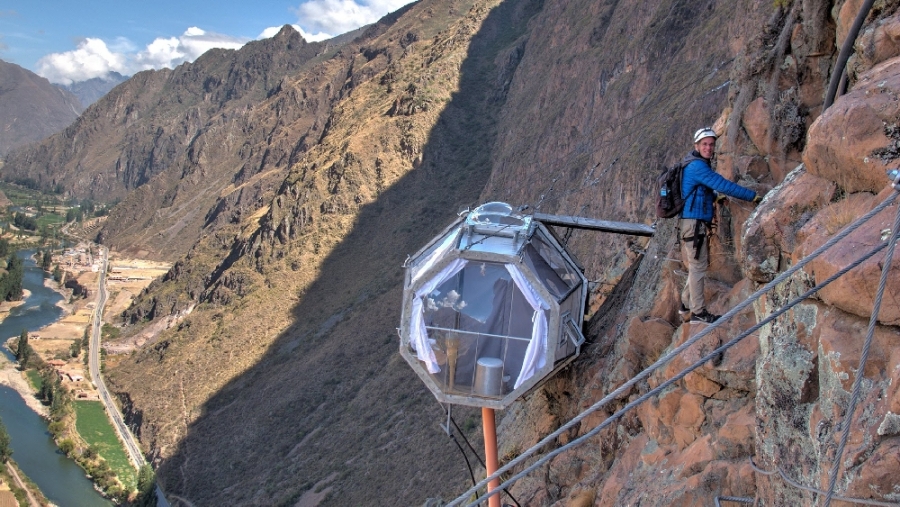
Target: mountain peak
[(287, 32)]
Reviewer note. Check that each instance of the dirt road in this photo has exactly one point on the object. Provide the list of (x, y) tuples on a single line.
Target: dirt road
[(32, 501)]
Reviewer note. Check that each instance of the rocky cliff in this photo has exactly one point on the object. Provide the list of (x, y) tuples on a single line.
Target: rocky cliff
[(275, 333), (773, 408)]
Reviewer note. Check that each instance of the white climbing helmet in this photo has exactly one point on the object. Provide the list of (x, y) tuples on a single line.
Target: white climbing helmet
[(704, 132)]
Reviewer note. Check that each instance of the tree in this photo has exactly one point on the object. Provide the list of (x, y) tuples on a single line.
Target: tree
[(49, 384), (146, 485), (16, 271), (22, 344), (46, 260), (5, 448), (75, 349), (23, 349), (67, 445), (61, 402), (90, 453), (23, 221)]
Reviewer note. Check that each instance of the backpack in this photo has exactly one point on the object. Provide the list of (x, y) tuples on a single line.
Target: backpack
[(669, 202)]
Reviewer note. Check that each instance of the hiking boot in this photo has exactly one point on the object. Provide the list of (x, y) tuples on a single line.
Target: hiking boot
[(684, 312), (704, 316)]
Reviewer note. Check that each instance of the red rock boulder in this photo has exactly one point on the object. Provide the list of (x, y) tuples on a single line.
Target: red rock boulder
[(841, 142), (771, 230), (855, 291)]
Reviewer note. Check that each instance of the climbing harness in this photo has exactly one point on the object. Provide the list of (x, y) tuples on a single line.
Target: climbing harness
[(702, 232)]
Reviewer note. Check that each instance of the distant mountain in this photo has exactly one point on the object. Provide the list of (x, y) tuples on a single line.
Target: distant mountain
[(92, 90), (31, 108), (161, 129)]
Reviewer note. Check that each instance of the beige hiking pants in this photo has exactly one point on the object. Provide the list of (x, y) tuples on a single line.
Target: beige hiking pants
[(692, 296)]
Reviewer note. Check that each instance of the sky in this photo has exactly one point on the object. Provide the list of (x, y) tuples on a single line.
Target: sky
[(68, 41)]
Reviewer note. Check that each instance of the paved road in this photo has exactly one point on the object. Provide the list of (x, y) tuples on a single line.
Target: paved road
[(131, 446), (134, 451)]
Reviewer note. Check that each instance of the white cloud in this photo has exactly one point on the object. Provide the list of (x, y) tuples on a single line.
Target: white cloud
[(174, 51), (94, 58), (341, 16), (91, 59), (317, 20)]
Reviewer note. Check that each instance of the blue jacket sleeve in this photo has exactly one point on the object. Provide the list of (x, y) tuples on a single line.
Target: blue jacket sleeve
[(711, 179)]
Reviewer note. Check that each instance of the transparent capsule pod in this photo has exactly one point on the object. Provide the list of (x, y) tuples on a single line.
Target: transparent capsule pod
[(491, 307)]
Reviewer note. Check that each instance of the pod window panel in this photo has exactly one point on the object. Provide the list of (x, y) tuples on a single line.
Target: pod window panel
[(478, 313)]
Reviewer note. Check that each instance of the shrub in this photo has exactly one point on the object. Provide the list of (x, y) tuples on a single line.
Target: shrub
[(56, 428), (66, 445)]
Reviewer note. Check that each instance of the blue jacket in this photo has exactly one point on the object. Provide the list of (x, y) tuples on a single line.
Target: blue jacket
[(698, 183)]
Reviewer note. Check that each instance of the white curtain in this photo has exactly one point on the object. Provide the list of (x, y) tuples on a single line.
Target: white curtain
[(418, 335), (536, 353)]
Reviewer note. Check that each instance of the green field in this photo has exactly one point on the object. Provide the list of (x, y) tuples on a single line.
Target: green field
[(35, 378), (95, 428), (51, 219)]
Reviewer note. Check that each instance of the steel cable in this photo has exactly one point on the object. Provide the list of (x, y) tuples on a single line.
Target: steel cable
[(720, 350), (663, 360), (864, 356), (738, 499), (478, 456), (844, 55), (792, 482)]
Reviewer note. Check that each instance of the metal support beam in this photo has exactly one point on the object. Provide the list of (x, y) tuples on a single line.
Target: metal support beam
[(595, 225)]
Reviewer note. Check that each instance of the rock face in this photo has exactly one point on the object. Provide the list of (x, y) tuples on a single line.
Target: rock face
[(31, 108), (810, 358), (780, 396), (280, 319)]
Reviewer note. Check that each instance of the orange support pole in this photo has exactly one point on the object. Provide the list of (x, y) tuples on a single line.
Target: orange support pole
[(490, 452)]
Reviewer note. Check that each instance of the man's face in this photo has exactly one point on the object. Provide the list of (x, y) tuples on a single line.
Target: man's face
[(706, 147)]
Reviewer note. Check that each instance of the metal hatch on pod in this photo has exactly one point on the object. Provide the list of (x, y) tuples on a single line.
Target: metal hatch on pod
[(491, 307)]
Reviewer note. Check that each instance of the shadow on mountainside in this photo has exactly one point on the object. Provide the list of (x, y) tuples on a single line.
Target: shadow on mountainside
[(332, 412)]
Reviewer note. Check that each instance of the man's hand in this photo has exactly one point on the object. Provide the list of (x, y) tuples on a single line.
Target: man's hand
[(720, 197), (757, 199)]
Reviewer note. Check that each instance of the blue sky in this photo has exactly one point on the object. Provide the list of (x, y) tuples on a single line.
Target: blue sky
[(68, 41)]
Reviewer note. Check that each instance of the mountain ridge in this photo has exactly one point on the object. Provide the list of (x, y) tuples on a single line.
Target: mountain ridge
[(91, 90), (31, 108)]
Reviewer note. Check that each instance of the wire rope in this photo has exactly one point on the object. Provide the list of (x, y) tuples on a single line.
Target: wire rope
[(738, 499), (710, 356), (669, 356), (844, 55), (465, 457), (786, 478), (864, 356), (466, 440)]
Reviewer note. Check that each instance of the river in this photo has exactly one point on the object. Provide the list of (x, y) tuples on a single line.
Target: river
[(59, 478)]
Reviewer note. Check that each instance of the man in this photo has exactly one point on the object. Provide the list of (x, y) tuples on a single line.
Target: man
[(699, 184)]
